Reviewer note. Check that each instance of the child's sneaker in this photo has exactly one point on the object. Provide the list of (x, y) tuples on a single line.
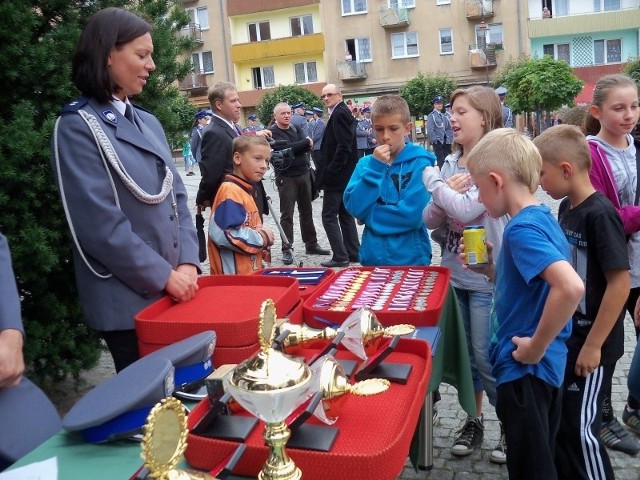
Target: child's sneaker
[(499, 454), (631, 418), (614, 436), (468, 437)]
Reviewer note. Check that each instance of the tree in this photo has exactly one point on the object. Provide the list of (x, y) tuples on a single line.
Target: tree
[(632, 68), (420, 91), (291, 94), (38, 39)]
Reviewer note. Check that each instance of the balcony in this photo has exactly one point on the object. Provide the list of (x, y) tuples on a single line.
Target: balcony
[(584, 23), (281, 47), (351, 70), (478, 9), (240, 7), (392, 17), (194, 31), (193, 82), (482, 56)]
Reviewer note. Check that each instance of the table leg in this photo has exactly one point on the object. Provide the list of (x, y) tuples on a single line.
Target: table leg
[(425, 454)]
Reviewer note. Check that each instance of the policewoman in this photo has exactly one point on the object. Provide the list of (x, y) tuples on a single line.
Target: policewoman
[(126, 206)]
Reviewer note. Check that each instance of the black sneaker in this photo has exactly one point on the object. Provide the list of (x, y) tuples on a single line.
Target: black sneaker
[(468, 437), (287, 257), (631, 418), (614, 436), (499, 454)]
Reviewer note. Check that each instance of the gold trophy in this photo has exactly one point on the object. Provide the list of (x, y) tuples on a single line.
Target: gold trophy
[(363, 334), (330, 379), (271, 385)]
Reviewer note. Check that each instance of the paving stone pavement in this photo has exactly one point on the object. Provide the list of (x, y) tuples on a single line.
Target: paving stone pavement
[(450, 415)]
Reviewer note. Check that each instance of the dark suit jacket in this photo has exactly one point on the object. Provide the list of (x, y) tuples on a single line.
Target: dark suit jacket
[(216, 159), (339, 150)]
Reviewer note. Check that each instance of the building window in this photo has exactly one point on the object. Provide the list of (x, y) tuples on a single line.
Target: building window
[(359, 49), (492, 36), (202, 62), (305, 72), (560, 51), (301, 25), (350, 7), (607, 51), (443, 2), (404, 44), (259, 31), (606, 5), (446, 41), (402, 3), (200, 16), (263, 77)]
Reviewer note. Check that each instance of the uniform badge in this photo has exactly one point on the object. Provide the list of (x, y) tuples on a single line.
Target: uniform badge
[(110, 116)]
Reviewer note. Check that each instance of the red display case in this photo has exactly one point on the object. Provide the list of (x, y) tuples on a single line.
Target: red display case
[(310, 278), (374, 436), (421, 292), (228, 304)]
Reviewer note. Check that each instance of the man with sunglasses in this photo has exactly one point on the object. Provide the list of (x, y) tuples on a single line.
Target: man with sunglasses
[(338, 159)]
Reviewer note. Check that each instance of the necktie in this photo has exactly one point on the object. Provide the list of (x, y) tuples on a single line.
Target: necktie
[(128, 112), (237, 129)]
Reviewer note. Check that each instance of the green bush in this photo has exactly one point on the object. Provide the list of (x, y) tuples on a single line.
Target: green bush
[(291, 94)]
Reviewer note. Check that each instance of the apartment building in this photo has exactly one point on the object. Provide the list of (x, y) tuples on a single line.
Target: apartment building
[(594, 37)]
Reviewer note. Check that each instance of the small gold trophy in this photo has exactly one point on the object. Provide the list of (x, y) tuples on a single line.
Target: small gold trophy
[(271, 385)]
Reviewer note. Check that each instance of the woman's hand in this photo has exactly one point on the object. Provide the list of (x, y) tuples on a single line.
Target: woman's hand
[(182, 284)]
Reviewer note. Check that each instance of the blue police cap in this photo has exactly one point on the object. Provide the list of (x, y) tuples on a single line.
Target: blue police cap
[(191, 359), (252, 117), (437, 99), (118, 407), (202, 114), (447, 105), (317, 110), (308, 112), (298, 105), (501, 90), (366, 110)]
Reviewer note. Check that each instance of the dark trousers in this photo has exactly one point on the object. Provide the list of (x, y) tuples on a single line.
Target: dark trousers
[(340, 227), (440, 151), (579, 451), (529, 410), (123, 346), (294, 190)]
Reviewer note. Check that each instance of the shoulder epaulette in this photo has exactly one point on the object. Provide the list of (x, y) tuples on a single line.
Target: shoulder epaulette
[(74, 106)]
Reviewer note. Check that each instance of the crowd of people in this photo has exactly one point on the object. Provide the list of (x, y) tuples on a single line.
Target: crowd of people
[(544, 317)]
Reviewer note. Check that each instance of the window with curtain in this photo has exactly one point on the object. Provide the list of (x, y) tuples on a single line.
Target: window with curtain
[(354, 6), (302, 25), (259, 31), (202, 62), (607, 51), (404, 44), (359, 48), (561, 8), (263, 77), (446, 40), (200, 16), (606, 5), (305, 72)]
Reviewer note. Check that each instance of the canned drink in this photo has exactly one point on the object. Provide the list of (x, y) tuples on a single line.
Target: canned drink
[(475, 246)]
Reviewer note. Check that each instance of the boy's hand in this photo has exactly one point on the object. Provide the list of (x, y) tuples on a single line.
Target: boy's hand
[(488, 269), (588, 360), (382, 153), (526, 352), (460, 182), (269, 233)]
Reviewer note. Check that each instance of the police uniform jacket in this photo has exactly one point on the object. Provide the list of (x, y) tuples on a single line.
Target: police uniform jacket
[(196, 142), (437, 126), (300, 121), (363, 133), (132, 245), (317, 131)]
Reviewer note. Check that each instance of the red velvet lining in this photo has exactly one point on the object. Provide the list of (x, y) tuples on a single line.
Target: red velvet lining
[(228, 304), (375, 432), (426, 318), (305, 290)]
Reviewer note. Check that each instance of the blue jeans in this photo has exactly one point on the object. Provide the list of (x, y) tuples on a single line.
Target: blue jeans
[(189, 162), (475, 308)]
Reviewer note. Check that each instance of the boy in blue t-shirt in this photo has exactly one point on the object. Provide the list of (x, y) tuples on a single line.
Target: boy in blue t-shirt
[(386, 192), (599, 255), (536, 292)]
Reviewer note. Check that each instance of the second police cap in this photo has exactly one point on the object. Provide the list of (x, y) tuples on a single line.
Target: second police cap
[(298, 105), (501, 90), (317, 110), (252, 117), (202, 114), (437, 99)]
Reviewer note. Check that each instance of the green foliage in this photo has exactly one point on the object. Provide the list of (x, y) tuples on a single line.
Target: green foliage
[(540, 84), (291, 94), (632, 68), (38, 39), (419, 91)]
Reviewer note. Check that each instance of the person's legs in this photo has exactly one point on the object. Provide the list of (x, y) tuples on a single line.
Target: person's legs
[(123, 346), (331, 203), (529, 410), (305, 210), (288, 193), (349, 232), (439, 152), (631, 413), (579, 451)]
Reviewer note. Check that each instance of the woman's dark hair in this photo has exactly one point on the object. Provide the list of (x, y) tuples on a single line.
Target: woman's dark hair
[(106, 29)]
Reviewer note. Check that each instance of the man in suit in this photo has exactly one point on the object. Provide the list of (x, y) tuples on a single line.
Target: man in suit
[(27, 417), (217, 139), (339, 156)]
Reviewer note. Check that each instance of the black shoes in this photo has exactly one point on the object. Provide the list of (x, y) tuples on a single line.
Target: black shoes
[(287, 257), (334, 264), (354, 259), (190, 174), (317, 250)]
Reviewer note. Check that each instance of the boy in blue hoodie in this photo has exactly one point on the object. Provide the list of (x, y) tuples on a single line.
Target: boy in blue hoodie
[(386, 192)]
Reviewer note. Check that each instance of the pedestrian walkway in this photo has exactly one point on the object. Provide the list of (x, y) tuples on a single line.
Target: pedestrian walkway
[(450, 415)]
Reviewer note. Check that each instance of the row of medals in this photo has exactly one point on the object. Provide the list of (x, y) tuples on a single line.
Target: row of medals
[(354, 288)]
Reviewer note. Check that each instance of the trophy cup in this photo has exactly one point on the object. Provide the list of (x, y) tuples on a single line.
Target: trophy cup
[(271, 385)]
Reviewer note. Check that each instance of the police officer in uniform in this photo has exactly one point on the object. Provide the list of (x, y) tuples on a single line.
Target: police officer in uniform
[(316, 131), (437, 126), (507, 114), (298, 119), (364, 134)]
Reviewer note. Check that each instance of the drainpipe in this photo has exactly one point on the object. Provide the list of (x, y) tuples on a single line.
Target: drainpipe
[(223, 17), (519, 28)]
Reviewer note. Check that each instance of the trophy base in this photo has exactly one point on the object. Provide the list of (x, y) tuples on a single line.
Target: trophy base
[(348, 365), (295, 475), (313, 437), (230, 427), (394, 372)]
